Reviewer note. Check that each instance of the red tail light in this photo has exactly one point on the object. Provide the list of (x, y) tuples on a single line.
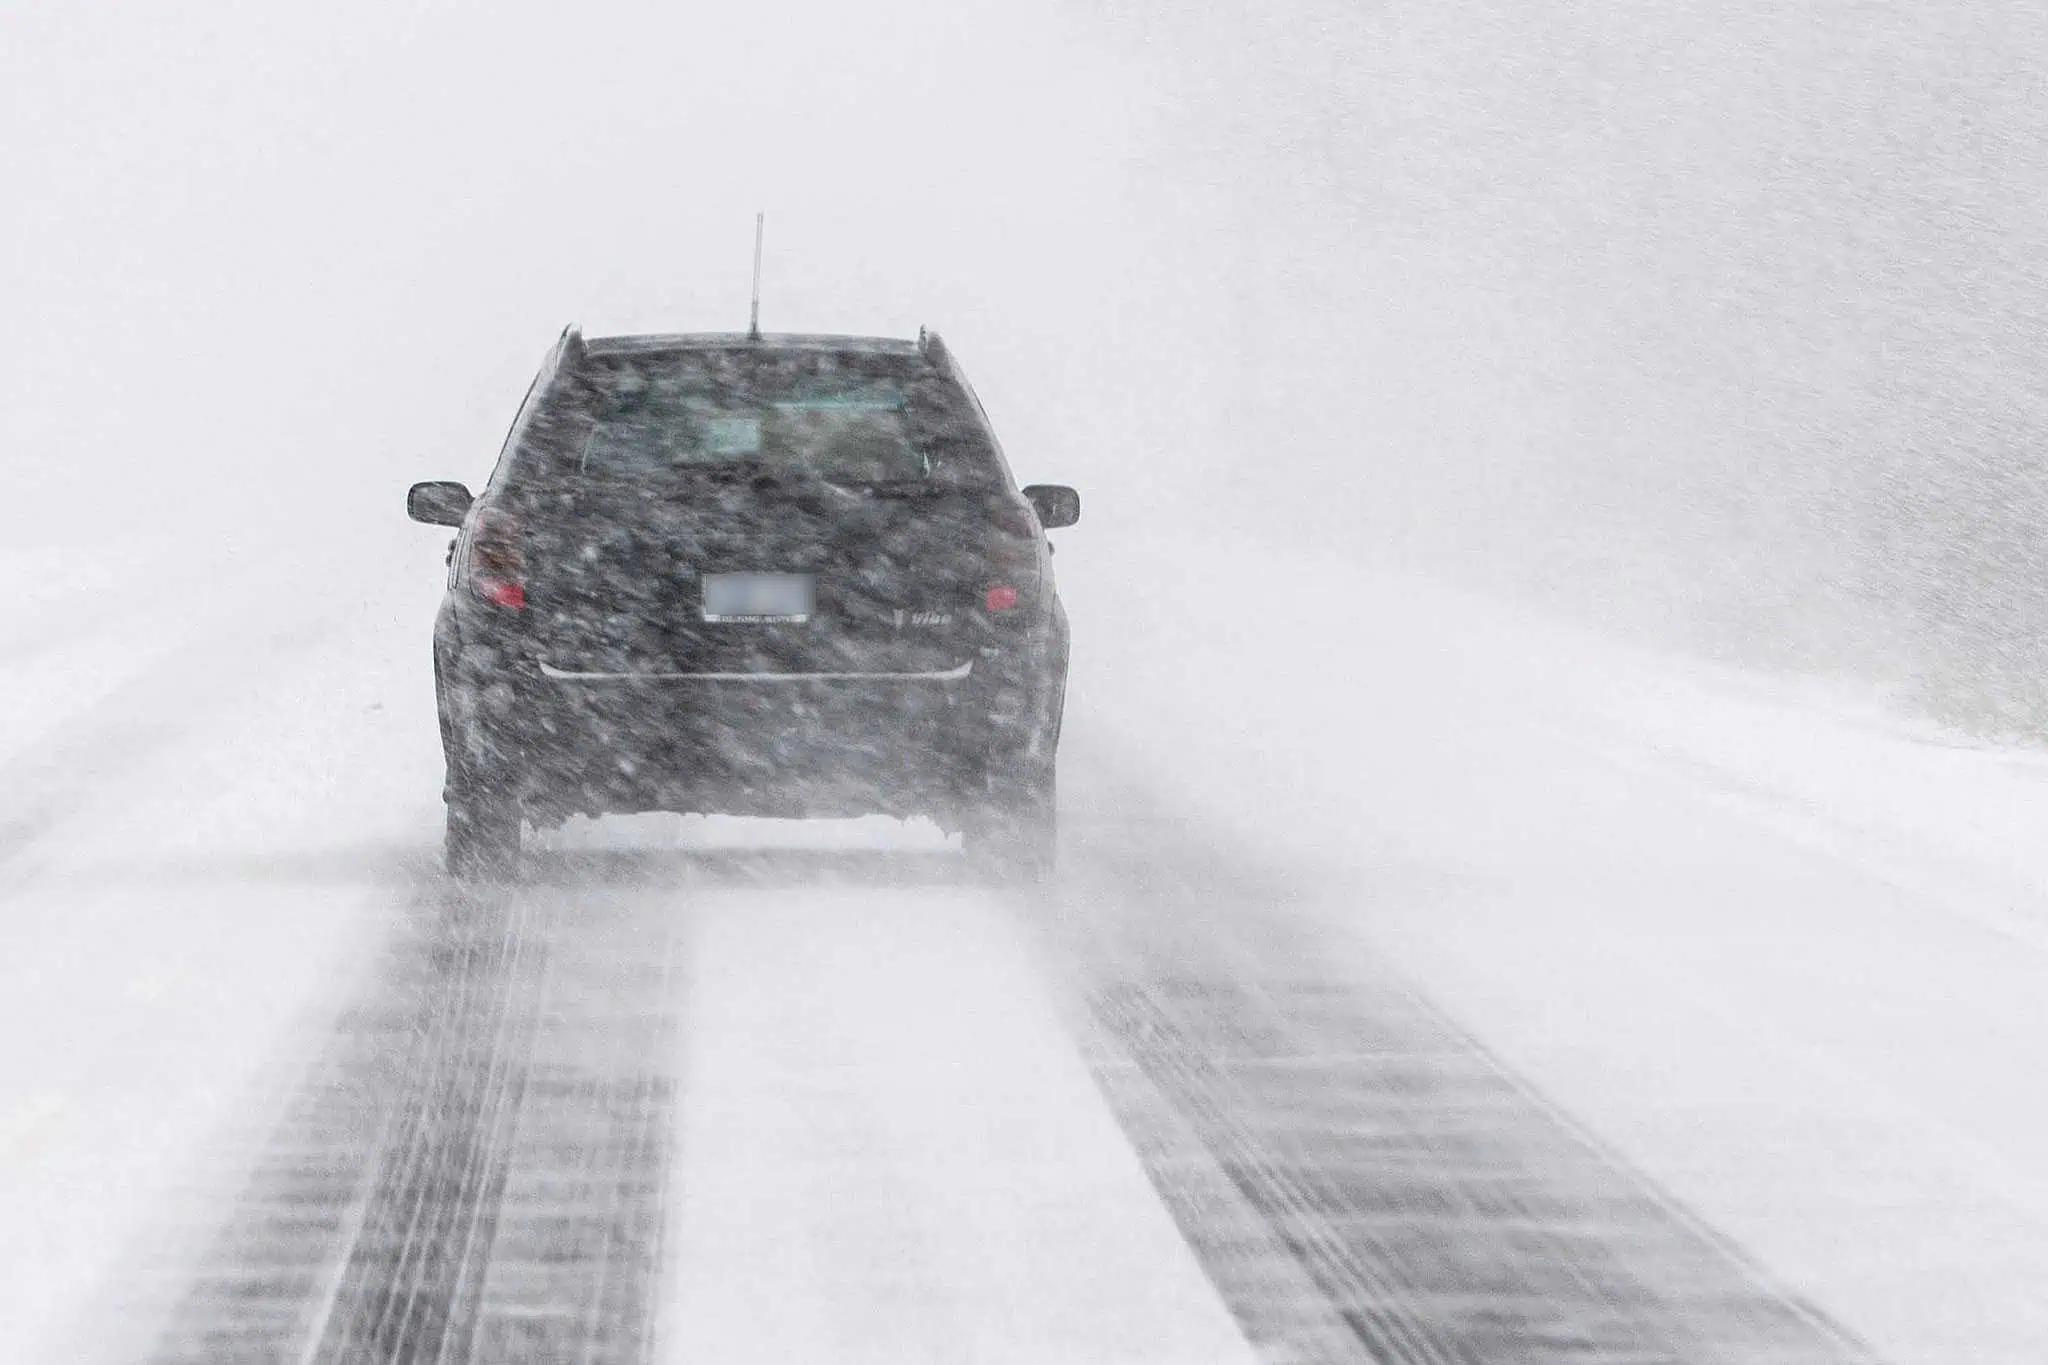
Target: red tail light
[(1013, 558), (496, 572)]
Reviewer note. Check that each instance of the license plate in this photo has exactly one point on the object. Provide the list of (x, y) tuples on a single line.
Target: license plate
[(759, 597)]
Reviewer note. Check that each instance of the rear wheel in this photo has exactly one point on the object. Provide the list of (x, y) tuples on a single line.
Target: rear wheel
[(1013, 830), (483, 831)]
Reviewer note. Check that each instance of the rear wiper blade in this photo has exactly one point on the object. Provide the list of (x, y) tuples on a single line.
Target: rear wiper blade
[(720, 467), (903, 488), (737, 471)]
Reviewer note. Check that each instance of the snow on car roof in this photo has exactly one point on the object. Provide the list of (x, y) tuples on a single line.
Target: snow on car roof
[(774, 341)]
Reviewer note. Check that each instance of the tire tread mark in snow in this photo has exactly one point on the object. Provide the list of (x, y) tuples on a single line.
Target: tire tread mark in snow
[(571, 1276), (407, 1293), (1446, 1214), (1337, 1136), (260, 1291), (479, 1128)]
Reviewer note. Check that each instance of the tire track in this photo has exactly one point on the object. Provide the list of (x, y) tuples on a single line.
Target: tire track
[(1447, 1217), (1362, 1180), (407, 1290), (476, 1171)]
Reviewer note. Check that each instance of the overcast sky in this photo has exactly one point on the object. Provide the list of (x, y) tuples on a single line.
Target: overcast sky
[(1737, 309), (270, 244)]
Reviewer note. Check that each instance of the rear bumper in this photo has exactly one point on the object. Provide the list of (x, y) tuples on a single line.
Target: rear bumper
[(570, 741), (774, 745), (754, 679)]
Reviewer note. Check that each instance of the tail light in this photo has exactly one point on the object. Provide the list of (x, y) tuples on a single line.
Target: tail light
[(1013, 559), (496, 573)]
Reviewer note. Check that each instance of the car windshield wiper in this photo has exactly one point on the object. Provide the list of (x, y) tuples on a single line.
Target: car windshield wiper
[(741, 471), (921, 486), (630, 474), (724, 469)]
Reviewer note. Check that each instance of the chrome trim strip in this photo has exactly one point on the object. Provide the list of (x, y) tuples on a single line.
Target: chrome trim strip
[(570, 675)]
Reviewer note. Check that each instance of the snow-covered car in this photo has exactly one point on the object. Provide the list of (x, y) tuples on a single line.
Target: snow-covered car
[(782, 576)]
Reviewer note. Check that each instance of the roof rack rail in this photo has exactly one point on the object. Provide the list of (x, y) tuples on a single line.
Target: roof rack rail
[(571, 346)]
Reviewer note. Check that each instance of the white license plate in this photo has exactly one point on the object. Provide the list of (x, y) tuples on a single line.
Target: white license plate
[(759, 597)]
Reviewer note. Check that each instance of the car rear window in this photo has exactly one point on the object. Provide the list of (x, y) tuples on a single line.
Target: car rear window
[(841, 418)]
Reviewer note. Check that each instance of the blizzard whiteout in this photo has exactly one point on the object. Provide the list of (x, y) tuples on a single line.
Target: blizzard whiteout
[(1550, 781)]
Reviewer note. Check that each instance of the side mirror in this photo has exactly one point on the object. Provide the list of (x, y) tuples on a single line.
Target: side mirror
[(438, 504), (1056, 504)]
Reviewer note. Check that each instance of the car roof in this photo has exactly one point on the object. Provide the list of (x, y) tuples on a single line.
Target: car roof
[(773, 341)]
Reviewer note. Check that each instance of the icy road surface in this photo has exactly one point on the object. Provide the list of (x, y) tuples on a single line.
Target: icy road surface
[(1493, 994)]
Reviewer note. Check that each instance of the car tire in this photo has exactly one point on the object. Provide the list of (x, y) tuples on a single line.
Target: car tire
[(483, 833), (1013, 831)]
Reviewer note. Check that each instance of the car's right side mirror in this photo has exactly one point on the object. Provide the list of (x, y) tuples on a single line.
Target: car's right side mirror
[(438, 504), (1056, 504)]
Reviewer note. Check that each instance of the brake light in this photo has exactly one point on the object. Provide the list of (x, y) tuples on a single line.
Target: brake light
[(1012, 558), (496, 571)]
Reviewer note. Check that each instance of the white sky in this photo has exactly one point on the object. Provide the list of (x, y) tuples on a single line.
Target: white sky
[(1736, 313), (249, 246)]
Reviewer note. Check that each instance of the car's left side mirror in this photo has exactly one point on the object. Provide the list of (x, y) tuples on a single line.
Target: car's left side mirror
[(1056, 504), (438, 504)]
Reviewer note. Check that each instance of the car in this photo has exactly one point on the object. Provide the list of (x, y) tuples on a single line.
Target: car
[(781, 575)]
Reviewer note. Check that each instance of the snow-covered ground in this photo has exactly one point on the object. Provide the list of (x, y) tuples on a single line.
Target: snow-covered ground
[(208, 812), (1779, 947)]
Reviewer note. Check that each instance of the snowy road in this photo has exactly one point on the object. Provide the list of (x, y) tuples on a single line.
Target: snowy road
[(780, 1104), (1226, 1091)]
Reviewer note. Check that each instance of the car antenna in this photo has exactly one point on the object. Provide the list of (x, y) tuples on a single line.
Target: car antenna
[(754, 317)]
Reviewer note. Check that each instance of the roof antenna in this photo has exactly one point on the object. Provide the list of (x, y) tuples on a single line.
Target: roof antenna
[(754, 318)]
